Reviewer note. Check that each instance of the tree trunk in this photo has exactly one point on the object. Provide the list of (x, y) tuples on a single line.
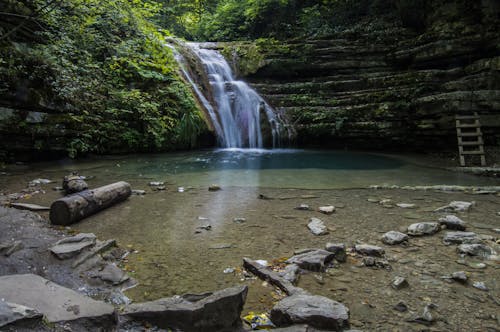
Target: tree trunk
[(70, 209)]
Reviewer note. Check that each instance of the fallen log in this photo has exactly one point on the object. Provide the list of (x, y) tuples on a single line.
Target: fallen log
[(70, 209)]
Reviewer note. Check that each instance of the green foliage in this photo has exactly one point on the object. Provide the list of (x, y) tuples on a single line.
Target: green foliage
[(104, 66)]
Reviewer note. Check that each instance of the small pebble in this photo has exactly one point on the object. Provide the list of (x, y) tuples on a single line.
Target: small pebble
[(480, 285)]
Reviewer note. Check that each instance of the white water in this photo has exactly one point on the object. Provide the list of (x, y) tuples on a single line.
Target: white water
[(239, 107)]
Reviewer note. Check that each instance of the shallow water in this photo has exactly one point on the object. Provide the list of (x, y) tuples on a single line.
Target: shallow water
[(175, 256)]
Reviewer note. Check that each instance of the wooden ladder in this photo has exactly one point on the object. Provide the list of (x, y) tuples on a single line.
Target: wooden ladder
[(470, 137)]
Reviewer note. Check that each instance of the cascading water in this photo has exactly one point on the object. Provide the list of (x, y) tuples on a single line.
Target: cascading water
[(240, 111)]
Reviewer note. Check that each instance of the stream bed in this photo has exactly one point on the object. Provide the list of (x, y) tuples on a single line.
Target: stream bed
[(254, 215)]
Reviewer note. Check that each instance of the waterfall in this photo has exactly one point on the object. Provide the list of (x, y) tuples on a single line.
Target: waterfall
[(239, 115)]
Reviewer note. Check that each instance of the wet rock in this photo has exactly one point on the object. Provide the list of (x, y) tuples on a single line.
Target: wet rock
[(8, 249), (56, 303), (218, 311), (71, 246), (401, 307), (214, 187), (369, 261), (338, 250), (453, 222), (393, 237), (459, 276), (316, 311), (317, 227), (406, 205), (316, 260), (36, 182), (99, 247), (475, 249), (112, 274), (460, 237), (74, 183), (455, 206), (480, 285), (156, 183), (12, 312), (426, 318), (160, 188), (291, 273), (303, 207), (369, 250), (138, 192), (269, 275), (239, 220), (423, 228), (399, 283), (329, 209)]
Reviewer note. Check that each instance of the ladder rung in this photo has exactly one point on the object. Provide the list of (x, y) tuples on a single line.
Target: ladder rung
[(466, 117), (468, 125), (474, 134), (472, 152), (476, 143)]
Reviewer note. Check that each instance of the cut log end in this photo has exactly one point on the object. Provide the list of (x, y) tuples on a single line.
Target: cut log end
[(60, 214)]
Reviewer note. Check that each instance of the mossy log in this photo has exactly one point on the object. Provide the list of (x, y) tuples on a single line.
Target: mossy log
[(70, 209)]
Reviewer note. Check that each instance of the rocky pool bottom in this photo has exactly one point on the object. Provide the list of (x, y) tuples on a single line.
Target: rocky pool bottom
[(412, 286)]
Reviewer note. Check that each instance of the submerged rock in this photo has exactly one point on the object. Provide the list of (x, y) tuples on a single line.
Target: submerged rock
[(455, 206), (393, 237), (423, 228), (112, 274), (369, 250), (453, 222), (303, 207), (399, 283), (329, 209), (317, 311), (461, 237), (406, 205), (459, 276), (206, 312), (475, 249), (214, 187), (480, 285), (317, 227), (316, 260), (338, 249)]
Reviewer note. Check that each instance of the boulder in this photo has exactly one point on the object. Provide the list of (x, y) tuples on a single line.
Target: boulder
[(461, 237), (475, 249), (218, 311), (369, 250), (317, 227), (338, 249), (393, 237), (423, 228), (329, 209), (12, 312), (316, 311), (313, 260), (453, 222), (71, 246), (56, 303)]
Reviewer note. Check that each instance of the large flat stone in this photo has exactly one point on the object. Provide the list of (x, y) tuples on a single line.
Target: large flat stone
[(316, 311), (12, 312), (73, 246), (56, 303), (218, 311), (313, 260)]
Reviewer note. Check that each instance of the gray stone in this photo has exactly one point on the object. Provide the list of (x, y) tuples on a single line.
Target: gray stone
[(453, 222), (264, 273), (455, 206), (401, 306), (329, 209), (138, 192), (460, 237), (239, 220), (156, 183), (12, 312), (399, 283), (480, 285), (72, 246), (393, 237), (423, 228), (317, 227), (475, 249), (291, 273), (459, 276), (338, 249), (74, 183), (316, 260), (369, 250), (100, 246), (214, 187), (8, 249), (303, 207), (113, 274), (56, 303), (207, 312), (316, 311), (406, 205)]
